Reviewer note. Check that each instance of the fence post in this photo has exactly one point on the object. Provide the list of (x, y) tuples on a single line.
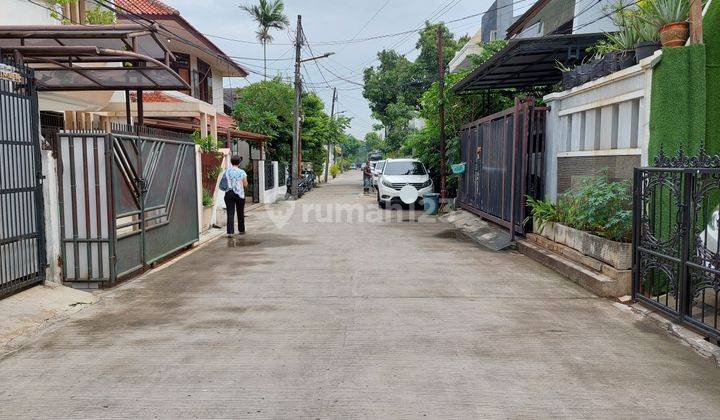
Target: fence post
[(637, 209), (688, 177), (198, 181), (262, 194)]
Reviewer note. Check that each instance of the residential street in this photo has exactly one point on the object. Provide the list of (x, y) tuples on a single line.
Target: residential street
[(325, 318)]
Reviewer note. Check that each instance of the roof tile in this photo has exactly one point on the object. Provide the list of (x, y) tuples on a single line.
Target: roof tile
[(146, 7)]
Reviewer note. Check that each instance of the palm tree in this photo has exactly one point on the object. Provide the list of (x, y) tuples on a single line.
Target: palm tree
[(269, 15)]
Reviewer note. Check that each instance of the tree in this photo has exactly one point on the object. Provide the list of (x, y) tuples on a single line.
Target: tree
[(427, 61), (352, 148), (269, 15), (267, 108), (316, 130), (372, 142), (459, 109), (394, 88)]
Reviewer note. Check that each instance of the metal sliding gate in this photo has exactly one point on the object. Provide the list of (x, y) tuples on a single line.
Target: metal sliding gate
[(504, 161), (128, 199), (22, 227), (676, 248)]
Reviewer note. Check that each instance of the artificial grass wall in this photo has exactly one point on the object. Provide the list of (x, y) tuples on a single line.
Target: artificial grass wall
[(678, 101), (711, 36)]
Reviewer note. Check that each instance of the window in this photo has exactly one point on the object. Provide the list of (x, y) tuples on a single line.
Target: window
[(181, 66), (203, 82), (404, 168)]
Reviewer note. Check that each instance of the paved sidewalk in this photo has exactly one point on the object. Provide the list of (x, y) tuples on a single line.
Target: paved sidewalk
[(312, 315)]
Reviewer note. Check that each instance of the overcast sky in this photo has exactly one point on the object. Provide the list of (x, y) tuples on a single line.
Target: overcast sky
[(328, 20)]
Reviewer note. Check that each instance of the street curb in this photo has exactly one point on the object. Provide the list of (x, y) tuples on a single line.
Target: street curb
[(683, 334)]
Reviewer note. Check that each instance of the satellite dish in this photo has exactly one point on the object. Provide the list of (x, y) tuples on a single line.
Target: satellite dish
[(408, 194)]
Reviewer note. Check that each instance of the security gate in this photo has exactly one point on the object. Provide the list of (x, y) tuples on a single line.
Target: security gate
[(504, 160), (128, 199), (22, 228), (676, 243)]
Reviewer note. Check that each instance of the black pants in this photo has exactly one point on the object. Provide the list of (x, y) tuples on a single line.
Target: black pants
[(234, 202)]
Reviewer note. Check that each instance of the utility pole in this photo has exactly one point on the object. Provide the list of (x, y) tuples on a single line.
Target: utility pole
[(332, 119), (295, 166), (696, 33), (441, 112)]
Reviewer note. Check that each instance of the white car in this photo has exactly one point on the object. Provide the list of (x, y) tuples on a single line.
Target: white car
[(398, 173), (377, 171)]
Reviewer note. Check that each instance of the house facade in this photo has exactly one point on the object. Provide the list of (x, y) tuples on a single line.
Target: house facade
[(495, 22), (547, 17)]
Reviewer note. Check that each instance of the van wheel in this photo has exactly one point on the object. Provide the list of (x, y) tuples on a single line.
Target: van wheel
[(381, 204)]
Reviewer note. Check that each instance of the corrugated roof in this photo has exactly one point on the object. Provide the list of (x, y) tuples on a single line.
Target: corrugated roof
[(146, 7)]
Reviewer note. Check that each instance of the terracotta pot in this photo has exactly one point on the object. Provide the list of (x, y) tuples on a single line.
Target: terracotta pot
[(674, 34)]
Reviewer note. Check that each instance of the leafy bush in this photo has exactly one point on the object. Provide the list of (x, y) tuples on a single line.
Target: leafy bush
[(207, 198), (334, 170), (207, 143), (602, 207), (597, 206), (542, 211)]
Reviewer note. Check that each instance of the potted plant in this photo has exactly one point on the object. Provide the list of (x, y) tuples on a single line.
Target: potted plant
[(648, 40), (670, 17), (568, 75), (625, 39)]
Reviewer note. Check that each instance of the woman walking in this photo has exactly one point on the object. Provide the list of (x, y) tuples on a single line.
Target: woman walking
[(235, 196)]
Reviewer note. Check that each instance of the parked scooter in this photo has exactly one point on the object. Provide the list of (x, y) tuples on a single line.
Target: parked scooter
[(303, 186)]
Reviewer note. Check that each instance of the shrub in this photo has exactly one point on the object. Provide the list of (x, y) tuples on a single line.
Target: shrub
[(542, 211), (334, 170), (207, 144), (207, 198), (602, 207), (597, 206)]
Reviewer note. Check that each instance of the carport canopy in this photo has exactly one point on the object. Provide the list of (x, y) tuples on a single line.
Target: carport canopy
[(528, 62), (92, 57)]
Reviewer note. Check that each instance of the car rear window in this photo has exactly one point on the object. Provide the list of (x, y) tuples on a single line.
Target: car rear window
[(404, 168)]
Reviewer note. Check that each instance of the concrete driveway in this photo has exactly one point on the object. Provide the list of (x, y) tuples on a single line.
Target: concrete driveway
[(330, 308)]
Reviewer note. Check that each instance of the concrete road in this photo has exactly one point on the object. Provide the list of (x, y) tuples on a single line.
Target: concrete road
[(331, 308)]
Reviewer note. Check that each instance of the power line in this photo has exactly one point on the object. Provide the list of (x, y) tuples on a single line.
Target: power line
[(366, 23)]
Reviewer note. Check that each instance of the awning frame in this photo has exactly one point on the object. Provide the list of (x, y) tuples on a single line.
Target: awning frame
[(501, 72), (78, 59)]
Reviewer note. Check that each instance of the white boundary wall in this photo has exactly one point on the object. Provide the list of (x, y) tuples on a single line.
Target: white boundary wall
[(609, 116), (277, 192)]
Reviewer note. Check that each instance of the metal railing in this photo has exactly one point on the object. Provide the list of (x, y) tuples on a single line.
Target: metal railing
[(676, 249), (269, 176), (282, 174)]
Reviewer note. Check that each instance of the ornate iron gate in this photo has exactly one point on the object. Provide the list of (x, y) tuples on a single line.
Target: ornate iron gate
[(22, 220), (676, 248), (504, 160), (128, 199)]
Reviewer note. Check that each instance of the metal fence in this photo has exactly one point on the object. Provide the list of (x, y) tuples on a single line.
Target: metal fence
[(269, 176), (504, 160), (127, 199), (676, 251), (282, 174), (22, 226)]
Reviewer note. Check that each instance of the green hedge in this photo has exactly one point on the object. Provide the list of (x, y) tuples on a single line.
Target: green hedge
[(711, 35), (678, 101)]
